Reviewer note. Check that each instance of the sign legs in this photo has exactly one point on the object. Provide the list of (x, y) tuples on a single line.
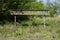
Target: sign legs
[(15, 21), (44, 21)]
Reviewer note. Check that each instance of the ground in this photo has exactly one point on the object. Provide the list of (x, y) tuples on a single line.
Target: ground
[(8, 31)]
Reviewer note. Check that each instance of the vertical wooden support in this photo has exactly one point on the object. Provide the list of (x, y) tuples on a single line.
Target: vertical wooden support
[(15, 20), (44, 19)]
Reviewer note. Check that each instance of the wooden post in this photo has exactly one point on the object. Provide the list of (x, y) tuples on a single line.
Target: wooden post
[(44, 21), (15, 20)]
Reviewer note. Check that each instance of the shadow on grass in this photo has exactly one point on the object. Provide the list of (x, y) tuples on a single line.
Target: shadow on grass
[(10, 18)]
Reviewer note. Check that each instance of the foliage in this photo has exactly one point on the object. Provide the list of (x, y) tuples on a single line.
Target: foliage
[(34, 6), (51, 32), (53, 7), (7, 5)]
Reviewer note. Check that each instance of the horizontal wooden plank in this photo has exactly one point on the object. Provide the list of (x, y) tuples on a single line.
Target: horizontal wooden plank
[(30, 12)]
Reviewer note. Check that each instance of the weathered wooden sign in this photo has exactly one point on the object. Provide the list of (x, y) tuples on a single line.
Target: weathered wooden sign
[(30, 12)]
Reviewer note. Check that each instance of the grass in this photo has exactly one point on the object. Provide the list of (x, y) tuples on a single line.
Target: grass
[(32, 30)]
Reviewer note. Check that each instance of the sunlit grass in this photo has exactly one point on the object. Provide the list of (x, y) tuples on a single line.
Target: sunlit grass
[(32, 32)]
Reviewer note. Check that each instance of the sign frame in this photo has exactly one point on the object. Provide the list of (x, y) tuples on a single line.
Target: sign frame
[(14, 13)]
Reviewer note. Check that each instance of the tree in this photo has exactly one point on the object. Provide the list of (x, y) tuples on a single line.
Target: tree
[(34, 6), (52, 7), (30, 4), (7, 5), (18, 4)]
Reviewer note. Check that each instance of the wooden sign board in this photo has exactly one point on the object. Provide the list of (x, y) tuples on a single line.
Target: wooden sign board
[(30, 12)]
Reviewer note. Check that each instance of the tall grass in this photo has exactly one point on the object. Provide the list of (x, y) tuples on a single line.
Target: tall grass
[(32, 30)]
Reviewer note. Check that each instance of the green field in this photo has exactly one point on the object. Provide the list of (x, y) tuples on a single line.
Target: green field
[(32, 30)]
